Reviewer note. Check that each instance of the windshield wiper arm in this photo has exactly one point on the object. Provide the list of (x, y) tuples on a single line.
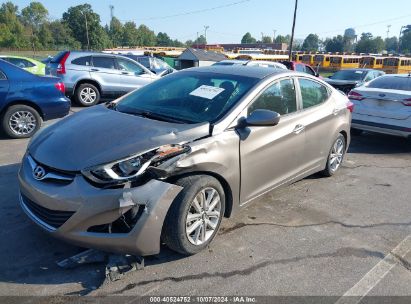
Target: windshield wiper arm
[(158, 116)]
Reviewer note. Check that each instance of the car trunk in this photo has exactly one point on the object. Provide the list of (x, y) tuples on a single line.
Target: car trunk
[(384, 103)]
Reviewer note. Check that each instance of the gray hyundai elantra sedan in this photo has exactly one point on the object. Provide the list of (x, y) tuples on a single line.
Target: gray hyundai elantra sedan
[(168, 161)]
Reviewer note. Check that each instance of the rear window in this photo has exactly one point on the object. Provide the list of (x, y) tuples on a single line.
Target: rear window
[(82, 61), (391, 83), (58, 57), (2, 76)]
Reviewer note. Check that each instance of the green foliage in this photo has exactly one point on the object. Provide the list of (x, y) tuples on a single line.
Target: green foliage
[(282, 39), (200, 40), (369, 44), (391, 44), (311, 43), (336, 44), (267, 39), (247, 38), (115, 32), (406, 42)]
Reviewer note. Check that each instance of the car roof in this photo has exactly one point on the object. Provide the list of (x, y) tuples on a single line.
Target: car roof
[(359, 69), (239, 70)]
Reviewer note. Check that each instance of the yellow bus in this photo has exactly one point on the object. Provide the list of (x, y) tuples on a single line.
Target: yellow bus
[(308, 59), (371, 62), (297, 57), (344, 61), (397, 65), (323, 60), (264, 57)]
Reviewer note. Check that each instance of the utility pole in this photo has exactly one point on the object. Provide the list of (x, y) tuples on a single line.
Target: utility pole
[(290, 54), (206, 27), (111, 11), (88, 41), (274, 31), (197, 41), (262, 36)]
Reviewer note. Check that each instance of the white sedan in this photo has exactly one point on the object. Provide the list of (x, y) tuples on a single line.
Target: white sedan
[(383, 106)]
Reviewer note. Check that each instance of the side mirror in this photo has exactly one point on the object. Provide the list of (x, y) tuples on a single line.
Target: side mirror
[(262, 118)]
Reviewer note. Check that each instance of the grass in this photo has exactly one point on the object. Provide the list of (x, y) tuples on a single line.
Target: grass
[(37, 55)]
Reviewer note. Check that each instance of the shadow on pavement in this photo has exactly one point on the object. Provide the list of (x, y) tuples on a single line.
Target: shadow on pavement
[(379, 144)]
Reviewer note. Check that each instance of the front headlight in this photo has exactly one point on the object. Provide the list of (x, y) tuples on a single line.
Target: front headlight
[(132, 167)]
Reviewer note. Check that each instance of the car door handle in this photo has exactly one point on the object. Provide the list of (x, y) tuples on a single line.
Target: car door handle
[(298, 129), (125, 73), (94, 70)]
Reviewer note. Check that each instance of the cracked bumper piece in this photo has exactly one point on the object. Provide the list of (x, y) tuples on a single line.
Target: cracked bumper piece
[(68, 211)]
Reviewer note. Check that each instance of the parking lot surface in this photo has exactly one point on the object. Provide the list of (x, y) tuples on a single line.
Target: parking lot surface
[(348, 234)]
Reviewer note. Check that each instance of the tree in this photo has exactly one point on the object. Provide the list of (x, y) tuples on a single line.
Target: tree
[(247, 38), (267, 39), (34, 16), (12, 30), (391, 44), (129, 34), (145, 36), (200, 40), (336, 44), (189, 43), (311, 43), (115, 32), (282, 39), (164, 40), (76, 17), (62, 36), (406, 42), (369, 44)]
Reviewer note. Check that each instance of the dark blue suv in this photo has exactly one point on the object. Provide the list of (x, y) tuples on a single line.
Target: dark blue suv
[(26, 100)]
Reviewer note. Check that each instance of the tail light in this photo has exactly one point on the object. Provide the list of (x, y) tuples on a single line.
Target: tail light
[(61, 68), (60, 86), (350, 106), (355, 96), (407, 102)]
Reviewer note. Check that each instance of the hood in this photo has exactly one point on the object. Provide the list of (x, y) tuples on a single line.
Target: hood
[(99, 135), (338, 82)]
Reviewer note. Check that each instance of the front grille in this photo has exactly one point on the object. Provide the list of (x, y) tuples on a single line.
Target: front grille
[(53, 218)]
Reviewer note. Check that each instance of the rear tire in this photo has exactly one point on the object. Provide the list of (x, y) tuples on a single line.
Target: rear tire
[(20, 121), (87, 95), (194, 217), (335, 156)]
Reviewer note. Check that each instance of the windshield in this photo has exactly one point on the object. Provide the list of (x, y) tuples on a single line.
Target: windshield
[(391, 83), (349, 75), (188, 97)]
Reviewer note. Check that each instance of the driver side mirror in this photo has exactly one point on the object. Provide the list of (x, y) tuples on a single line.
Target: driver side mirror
[(261, 118)]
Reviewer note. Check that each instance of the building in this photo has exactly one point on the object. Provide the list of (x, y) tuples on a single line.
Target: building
[(197, 58)]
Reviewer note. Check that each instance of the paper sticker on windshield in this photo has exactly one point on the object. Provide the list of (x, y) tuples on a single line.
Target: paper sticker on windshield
[(358, 72), (207, 92)]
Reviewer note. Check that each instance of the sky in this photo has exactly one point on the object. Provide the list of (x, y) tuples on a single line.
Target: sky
[(229, 20)]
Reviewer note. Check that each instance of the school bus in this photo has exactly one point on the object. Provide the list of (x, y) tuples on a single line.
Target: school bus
[(308, 59), (297, 57), (397, 65), (344, 61), (264, 57), (323, 60), (371, 62)]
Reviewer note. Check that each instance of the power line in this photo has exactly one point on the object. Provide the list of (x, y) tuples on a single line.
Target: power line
[(197, 11)]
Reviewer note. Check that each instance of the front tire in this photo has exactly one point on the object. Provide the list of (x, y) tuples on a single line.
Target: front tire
[(195, 215), (335, 156), (87, 95), (21, 121)]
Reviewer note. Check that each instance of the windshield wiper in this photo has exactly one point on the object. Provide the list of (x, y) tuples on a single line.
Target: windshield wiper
[(158, 116)]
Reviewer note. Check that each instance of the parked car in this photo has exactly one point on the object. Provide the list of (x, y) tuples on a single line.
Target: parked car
[(28, 64), (154, 64), (300, 67), (346, 80), (27, 99), (169, 160), (383, 106), (266, 64), (89, 76)]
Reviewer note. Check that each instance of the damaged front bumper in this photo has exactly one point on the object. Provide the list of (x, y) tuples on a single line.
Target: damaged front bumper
[(121, 220)]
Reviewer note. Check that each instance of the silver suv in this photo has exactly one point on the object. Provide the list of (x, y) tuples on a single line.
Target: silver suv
[(90, 76)]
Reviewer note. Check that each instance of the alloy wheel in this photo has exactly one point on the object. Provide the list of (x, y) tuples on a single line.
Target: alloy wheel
[(203, 216), (337, 154), (22, 122), (88, 95)]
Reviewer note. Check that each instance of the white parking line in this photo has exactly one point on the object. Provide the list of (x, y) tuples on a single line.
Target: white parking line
[(376, 274)]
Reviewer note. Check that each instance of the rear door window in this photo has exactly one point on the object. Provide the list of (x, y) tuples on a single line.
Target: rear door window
[(104, 62), (86, 60), (300, 68), (312, 93), (279, 97), (309, 70)]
